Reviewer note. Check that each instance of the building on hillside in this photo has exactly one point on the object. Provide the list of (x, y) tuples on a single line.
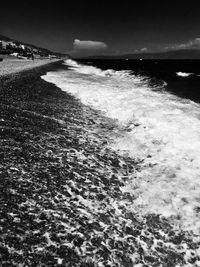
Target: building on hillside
[(3, 44), (12, 44), (35, 50), (22, 46)]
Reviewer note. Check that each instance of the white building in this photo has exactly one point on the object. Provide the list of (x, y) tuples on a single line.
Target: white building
[(3, 44), (22, 46)]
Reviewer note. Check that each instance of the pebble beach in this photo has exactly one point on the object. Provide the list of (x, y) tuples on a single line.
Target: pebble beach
[(60, 197), (10, 66)]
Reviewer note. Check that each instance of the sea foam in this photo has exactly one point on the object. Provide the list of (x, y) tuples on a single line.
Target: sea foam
[(159, 129)]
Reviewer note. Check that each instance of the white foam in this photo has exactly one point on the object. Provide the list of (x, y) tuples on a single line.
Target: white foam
[(90, 70), (183, 74), (163, 130)]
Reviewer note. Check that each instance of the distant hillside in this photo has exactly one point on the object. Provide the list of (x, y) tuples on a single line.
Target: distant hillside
[(11, 45), (180, 54), (4, 38)]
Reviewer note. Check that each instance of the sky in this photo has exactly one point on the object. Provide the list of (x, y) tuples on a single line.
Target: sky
[(103, 27)]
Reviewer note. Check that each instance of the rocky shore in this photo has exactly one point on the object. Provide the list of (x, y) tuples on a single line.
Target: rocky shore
[(60, 197)]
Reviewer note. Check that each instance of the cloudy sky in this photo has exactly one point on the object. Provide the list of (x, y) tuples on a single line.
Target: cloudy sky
[(103, 27)]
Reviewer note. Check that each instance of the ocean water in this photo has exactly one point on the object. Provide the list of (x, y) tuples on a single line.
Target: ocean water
[(157, 124)]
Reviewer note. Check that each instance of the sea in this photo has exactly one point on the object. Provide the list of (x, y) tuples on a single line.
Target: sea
[(155, 109)]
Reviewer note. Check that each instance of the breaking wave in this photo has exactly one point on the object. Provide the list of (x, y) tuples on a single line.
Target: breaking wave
[(185, 74), (86, 69), (159, 129)]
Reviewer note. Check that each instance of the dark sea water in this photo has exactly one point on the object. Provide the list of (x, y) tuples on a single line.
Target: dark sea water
[(182, 76), (152, 133)]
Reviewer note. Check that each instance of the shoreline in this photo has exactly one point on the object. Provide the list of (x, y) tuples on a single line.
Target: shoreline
[(15, 67), (61, 202), (13, 79)]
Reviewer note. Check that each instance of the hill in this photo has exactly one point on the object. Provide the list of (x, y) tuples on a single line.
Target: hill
[(175, 54), (10, 46)]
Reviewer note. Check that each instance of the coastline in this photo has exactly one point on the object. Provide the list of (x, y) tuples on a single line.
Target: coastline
[(61, 203), (13, 67), (42, 132)]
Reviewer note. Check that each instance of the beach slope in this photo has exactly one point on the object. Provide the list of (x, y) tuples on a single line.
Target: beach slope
[(61, 202)]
